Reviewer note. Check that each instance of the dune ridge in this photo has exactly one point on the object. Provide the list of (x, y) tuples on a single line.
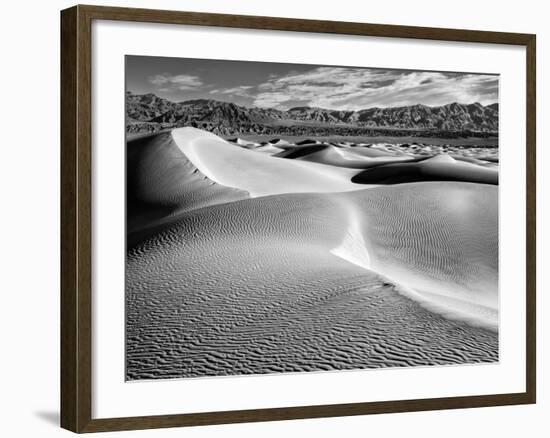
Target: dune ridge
[(162, 183), (258, 174), (353, 247), (344, 157)]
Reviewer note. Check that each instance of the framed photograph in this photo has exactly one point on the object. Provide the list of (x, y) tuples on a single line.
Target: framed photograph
[(270, 218)]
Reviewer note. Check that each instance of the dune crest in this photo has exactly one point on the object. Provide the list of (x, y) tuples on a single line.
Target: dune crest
[(353, 247), (162, 184), (259, 174), (352, 158)]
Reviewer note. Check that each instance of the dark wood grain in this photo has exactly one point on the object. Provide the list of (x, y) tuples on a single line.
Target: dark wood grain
[(69, 329), (76, 250), (76, 222), (303, 412), (298, 25)]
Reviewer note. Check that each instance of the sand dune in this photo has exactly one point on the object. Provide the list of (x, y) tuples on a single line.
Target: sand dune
[(437, 168), (384, 166), (279, 142), (371, 152), (300, 151), (162, 183), (289, 283), (440, 240), (258, 174), (307, 141), (479, 161), (264, 147), (246, 143), (340, 277), (349, 158), (268, 149)]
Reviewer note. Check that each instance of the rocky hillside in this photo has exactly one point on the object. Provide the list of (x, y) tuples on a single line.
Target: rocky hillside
[(453, 117), (148, 112)]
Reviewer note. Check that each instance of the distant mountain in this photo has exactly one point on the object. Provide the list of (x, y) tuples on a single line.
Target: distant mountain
[(150, 112), (320, 115), (451, 117), (145, 107)]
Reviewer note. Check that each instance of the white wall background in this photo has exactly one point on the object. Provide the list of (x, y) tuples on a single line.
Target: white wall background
[(29, 231)]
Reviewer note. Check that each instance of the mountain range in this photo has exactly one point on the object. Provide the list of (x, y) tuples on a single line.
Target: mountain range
[(148, 112)]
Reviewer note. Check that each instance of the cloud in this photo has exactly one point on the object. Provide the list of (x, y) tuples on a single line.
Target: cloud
[(242, 90), (342, 88), (169, 82), (357, 88)]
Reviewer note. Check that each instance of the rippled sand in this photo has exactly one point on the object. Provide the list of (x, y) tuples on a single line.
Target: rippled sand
[(162, 183), (372, 277)]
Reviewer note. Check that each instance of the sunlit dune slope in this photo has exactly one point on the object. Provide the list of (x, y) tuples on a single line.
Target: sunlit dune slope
[(438, 241), (257, 173)]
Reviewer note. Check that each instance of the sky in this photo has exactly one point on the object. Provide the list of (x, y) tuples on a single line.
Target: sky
[(283, 86)]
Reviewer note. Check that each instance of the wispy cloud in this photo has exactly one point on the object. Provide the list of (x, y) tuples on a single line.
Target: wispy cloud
[(242, 91), (344, 88), (355, 88), (168, 82)]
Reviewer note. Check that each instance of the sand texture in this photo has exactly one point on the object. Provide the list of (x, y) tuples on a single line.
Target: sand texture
[(161, 183), (258, 263)]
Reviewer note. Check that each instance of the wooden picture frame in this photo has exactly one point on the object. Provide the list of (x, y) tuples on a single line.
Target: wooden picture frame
[(76, 218)]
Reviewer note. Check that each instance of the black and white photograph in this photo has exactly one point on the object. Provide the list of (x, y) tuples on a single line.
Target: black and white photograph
[(272, 219), (285, 218)]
